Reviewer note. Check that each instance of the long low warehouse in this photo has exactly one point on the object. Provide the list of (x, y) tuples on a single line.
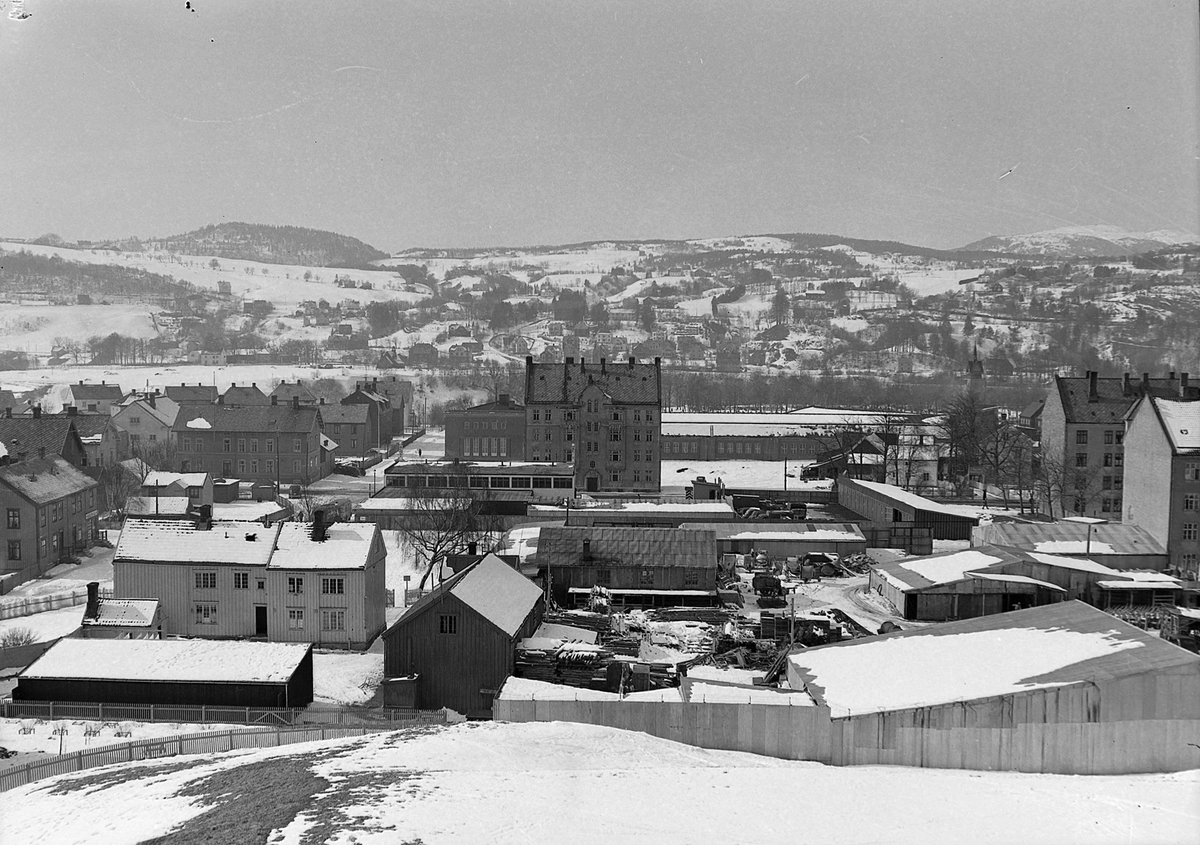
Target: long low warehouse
[(781, 540), (180, 672)]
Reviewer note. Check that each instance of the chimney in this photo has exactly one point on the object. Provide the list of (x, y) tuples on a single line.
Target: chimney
[(41, 451), (37, 412), (603, 366), (72, 411), (570, 360), (8, 413), (657, 362), (528, 360), (221, 399), (1171, 375), (296, 402), (1145, 384), (505, 400), (582, 364), (472, 549), (318, 526), (375, 385), (1093, 392), (150, 399), (1127, 387), (93, 602), (632, 361), (204, 518), (274, 400), (587, 549), (1183, 385)]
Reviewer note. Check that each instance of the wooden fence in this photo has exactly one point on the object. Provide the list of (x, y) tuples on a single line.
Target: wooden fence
[(172, 746), (274, 717), (16, 608)]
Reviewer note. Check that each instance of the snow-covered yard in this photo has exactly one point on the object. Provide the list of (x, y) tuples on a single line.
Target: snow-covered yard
[(571, 783), (46, 626), (346, 677)]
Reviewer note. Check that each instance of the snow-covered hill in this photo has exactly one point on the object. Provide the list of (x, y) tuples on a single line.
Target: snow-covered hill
[(1083, 241)]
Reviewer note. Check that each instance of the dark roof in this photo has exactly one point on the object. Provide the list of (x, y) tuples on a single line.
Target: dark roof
[(344, 413), (192, 394), (286, 391), (45, 479), (628, 546), (1113, 401), (1111, 538), (28, 434), (8, 399), (389, 387), (96, 391), (488, 407), (563, 384), (245, 395), (1034, 409), (253, 418)]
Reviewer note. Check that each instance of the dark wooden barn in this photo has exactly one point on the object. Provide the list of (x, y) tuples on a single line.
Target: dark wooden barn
[(890, 507), (177, 672), (457, 644)]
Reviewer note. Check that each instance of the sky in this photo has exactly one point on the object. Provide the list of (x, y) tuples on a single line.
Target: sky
[(454, 124)]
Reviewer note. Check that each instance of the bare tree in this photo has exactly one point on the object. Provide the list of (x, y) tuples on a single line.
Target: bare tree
[(117, 483)]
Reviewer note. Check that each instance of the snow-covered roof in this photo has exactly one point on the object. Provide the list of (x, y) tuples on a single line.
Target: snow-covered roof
[(1181, 421), (944, 568), (1000, 654), (347, 545), (499, 593), (166, 479), (700, 692), (1159, 584), (124, 613), (527, 689), (1015, 579), (196, 661), (1067, 547), (151, 506), (182, 542), (899, 494), (838, 532)]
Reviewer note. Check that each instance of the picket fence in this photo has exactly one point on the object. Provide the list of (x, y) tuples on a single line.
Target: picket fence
[(274, 717), (16, 608), (172, 746)]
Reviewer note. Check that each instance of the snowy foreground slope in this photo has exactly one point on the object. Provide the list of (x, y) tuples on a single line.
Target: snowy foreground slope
[(567, 783)]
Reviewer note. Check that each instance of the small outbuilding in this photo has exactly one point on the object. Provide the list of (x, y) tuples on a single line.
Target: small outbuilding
[(188, 672), (457, 644), (793, 539)]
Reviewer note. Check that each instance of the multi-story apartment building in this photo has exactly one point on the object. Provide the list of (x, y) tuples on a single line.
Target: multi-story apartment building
[(1162, 477), (350, 426), (290, 582), (284, 444), (603, 419), (494, 431), (1083, 433), (49, 512), (143, 422)]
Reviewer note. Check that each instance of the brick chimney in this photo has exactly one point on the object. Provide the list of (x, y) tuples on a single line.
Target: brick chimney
[(1093, 392), (37, 412), (93, 601), (1145, 384), (318, 526), (632, 361), (505, 400), (1183, 385), (274, 399), (1127, 386), (8, 413), (603, 366), (296, 402), (72, 411), (204, 518), (150, 399)]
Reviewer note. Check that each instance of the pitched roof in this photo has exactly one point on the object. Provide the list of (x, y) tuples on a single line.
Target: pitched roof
[(563, 384), (1070, 538), (192, 394), (96, 391), (905, 497), (156, 506), (1112, 400), (124, 613), (286, 391), (162, 409), (45, 479), (1181, 423), (195, 661), (625, 546), (347, 545), (244, 395), (158, 478), (1001, 654), (28, 434), (249, 419), (345, 413), (491, 406), (492, 588), (182, 542)]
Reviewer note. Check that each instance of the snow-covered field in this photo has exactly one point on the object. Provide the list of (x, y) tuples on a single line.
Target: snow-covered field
[(568, 783), (33, 328), (46, 626), (768, 475), (44, 737), (346, 677)]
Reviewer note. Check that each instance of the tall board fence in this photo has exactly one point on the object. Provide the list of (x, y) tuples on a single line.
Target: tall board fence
[(172, 746), (101, 712)]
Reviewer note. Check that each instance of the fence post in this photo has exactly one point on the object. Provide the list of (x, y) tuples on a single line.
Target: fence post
[(247, 717), (203, 712), (52, 710)]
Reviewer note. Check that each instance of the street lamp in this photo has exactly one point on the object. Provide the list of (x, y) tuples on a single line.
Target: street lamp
[(1089, 521)]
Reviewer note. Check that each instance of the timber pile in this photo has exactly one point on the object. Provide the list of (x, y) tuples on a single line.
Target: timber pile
[(573, 669), (598, 622), (707, 615)]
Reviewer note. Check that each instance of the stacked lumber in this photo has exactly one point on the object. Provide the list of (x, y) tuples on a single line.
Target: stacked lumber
[(572, 669)]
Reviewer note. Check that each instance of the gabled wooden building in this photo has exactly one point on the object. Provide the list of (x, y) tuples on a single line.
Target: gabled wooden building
[(457, 644)]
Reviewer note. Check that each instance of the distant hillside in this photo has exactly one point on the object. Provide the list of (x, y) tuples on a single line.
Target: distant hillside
[(271, 244), (1082, 242), (23, 272)]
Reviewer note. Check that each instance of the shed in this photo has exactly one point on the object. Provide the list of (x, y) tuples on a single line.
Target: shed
[(888, 505), (1064, 688), (189, 672), (458, 642), (793, 539), (1114, 544)]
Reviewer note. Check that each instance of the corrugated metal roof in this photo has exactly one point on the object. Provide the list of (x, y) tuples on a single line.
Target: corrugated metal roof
[(563, 384), (45, 479), (688, 547), (1071, 538), (902, 496)]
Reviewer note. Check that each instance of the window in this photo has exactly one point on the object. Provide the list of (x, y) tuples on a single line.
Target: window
[(447, 624), (1081, 437), (1081, 459), (226, 444), (1106, 483), (241, 444), (135, 420), (296, 444), (153, 437), (615, 478), (614, 435), (646, 578), (295, 618), (206, 580), (562, 483), (14, 549), (1191, 472), (649, 436), (637, 455), (270, 445), (1108, 459), (1190, 501), (540, 482), (1118, 482), (691, 577), (1119, 460), (254, 445), (537, 417), (241, 580), (1108, 438), (270, 467), (1120, 438), (333, 586), (42, 516), (603, 577), (1189, 531), (241, 467), (637, 436), (616, 457), (616, 416), (14, 519), (1106, 505), (187, 444), (637, 476), (637, 416), (295, 585), (333, 620), (206, 613), (260, 583)]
